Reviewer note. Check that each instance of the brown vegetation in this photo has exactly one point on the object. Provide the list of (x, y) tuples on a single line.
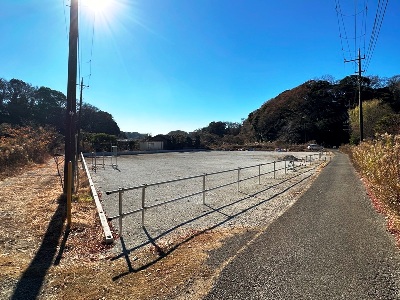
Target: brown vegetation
[(20, 146), (39, 258), (378, 163)]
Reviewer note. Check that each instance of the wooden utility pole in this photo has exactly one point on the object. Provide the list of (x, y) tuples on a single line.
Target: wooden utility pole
[(70, 118), (359, 93)]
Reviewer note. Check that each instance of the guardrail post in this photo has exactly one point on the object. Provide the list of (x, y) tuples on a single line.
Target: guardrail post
[(94, 161), (285, 167), (104, 166), (259, 174), (120, 192), (143, 203), (274, 169), (204, 188), (238, 179)]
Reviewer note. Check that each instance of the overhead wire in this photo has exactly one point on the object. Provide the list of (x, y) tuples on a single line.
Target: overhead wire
[(65, 19), (380, 14), (81, 49), (355, 32), (91, 50), (364, 23), (340, 25), (360, 29)]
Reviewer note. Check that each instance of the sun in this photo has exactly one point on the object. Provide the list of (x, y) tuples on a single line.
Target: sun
[(99, 6)]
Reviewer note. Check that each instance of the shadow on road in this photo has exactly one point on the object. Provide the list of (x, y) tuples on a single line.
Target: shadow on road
[(163, 253), (31, 281)]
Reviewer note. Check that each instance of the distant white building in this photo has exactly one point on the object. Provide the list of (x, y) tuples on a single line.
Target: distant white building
[(151, 146)]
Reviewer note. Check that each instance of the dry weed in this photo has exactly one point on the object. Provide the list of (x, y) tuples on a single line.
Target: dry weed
[(81, 267), (378, 163)]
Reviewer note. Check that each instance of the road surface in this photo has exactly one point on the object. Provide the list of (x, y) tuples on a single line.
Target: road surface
[(331, 244)]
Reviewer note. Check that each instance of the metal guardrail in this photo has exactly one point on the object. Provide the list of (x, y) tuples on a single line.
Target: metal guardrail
[(281, 165), (95, 157), (103, 220)]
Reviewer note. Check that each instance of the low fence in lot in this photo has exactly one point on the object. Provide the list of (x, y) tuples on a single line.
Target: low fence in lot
[(108, 237), (204, 185)]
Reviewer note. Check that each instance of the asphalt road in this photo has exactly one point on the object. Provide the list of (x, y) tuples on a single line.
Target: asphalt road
[(331, 244)]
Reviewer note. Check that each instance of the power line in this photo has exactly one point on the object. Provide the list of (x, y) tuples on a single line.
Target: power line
[(357, 21), (380, 14), (91, 50), (83, 52), (339, 13), (364, 22), (65, 20), (355, 28)]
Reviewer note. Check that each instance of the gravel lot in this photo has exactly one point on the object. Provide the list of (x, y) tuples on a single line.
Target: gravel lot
[(255, 205)]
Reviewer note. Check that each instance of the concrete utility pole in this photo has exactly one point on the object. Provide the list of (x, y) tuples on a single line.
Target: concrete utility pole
[(70, 118), (359, 93)]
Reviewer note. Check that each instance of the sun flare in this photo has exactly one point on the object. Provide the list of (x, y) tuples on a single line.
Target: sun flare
[(99, 6)]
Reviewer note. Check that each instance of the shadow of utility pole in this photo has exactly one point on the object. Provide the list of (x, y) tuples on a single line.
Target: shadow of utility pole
[(30, 283)]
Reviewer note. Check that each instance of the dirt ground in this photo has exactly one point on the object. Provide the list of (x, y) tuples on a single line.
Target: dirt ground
[(40, 259)]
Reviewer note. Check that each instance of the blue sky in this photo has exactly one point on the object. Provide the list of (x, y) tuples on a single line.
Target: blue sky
[(163, 65)]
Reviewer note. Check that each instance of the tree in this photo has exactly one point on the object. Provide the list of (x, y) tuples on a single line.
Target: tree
[(179, 139), (376, 113), (97, 121), (217, 128), (393, 85), (19, 101), (50, 107), (233, 128), (3, 97)]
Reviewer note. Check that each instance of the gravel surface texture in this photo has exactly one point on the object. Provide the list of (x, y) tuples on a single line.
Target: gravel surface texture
[(258, 202)]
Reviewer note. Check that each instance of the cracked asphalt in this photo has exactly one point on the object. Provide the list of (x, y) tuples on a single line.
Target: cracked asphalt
[(331, 244)]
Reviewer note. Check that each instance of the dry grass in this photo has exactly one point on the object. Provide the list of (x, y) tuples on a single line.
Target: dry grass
[(378, 163), (80, 265)]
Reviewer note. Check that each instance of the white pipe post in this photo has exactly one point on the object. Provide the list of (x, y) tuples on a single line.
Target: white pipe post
[(143, 203), (120, 210), (238, 179), (204, 188)]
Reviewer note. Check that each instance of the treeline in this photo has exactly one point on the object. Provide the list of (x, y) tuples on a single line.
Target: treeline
[(318, 110), (215, 135), (21, 104), (323, 110)]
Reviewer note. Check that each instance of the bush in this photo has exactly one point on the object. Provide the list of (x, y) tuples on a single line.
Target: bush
[(22, 145), (378, 161)]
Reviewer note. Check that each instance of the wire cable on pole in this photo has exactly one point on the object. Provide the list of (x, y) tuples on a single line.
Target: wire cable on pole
[(380, 14), (341, 25), (65, 20)]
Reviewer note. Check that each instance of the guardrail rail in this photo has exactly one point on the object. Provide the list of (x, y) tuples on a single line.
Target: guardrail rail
[(282, 166)]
